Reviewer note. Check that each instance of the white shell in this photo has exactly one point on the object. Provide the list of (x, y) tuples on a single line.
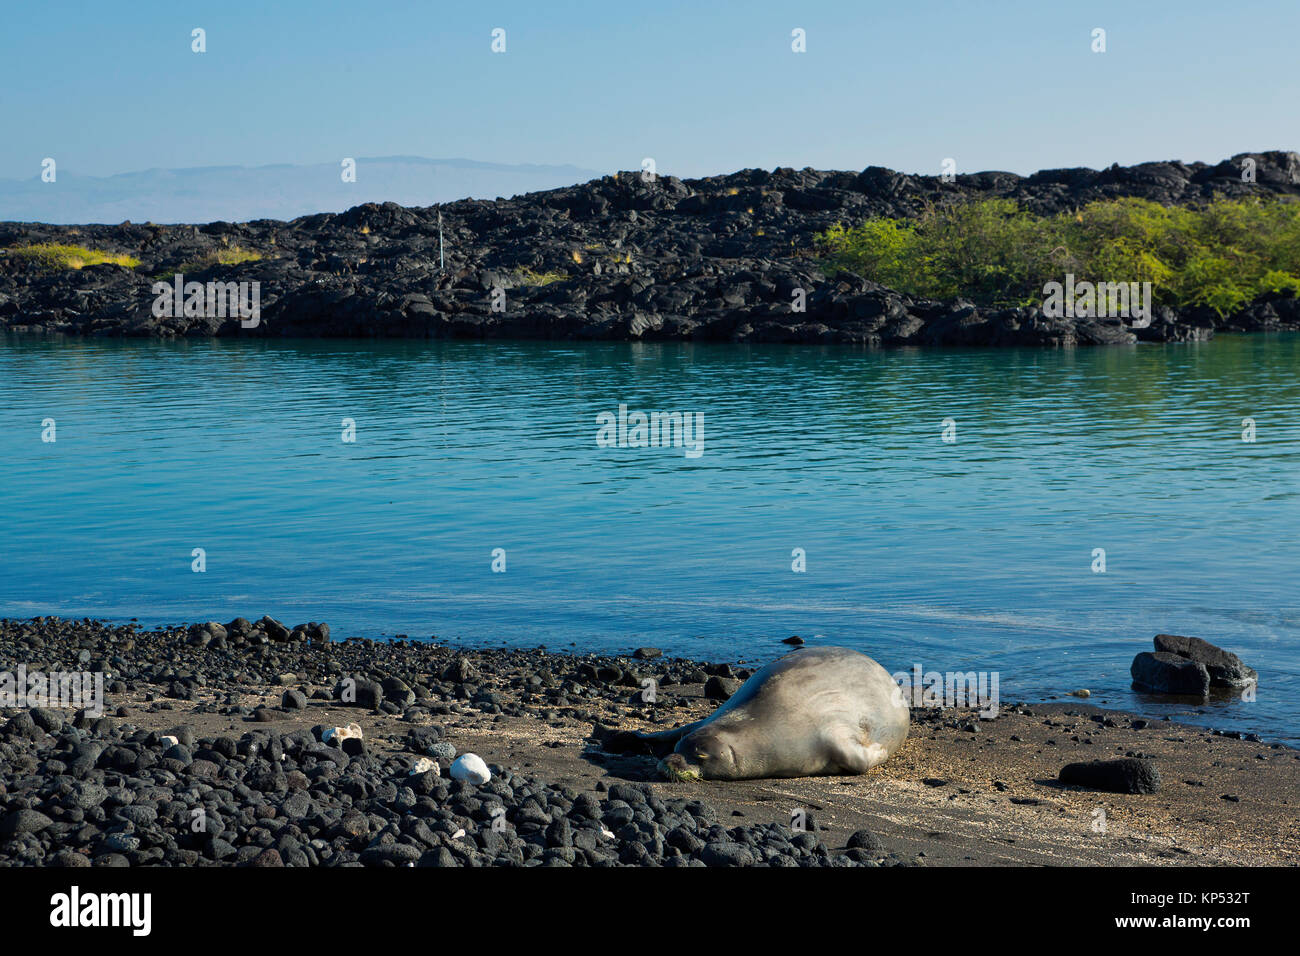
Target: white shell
[(168, 742), (424, 765), (470, 767), (342, 733)]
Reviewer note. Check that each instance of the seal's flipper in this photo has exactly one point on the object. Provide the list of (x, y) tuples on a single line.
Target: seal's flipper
[(845, 753), (658, 744)]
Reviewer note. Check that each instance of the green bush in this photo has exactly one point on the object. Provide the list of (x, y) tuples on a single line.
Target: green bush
[(54, 256), (225, 256), (1222, 254), (527, 276)]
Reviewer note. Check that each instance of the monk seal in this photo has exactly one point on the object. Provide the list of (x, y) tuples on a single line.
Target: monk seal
[(815, 712)]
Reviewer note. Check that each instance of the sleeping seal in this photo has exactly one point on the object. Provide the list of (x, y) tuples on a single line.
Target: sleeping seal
[(816, 712)]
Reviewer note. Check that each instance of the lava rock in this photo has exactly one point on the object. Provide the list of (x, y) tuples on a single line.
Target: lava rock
[(1166, 673), (726, 853), (866, 840), (720, 688), (23, 821), (1125, 775), (711, 259), (1225, 668), (274, 629), (294, 699)]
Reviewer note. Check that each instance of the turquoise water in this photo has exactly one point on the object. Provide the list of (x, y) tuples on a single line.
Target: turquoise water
[(971, 555)]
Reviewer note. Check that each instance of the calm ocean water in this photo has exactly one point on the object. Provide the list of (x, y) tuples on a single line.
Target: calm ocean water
[(971, 555)]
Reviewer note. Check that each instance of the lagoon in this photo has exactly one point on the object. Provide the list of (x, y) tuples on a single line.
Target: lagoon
[(975, 554)]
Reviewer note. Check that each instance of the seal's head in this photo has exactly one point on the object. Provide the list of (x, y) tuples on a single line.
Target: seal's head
[(703, 755)]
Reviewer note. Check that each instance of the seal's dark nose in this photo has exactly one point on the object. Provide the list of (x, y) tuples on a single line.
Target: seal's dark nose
[(675, 767)]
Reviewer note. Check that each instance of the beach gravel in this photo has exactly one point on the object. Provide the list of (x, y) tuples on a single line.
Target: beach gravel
[(227, 776), (82, 789)]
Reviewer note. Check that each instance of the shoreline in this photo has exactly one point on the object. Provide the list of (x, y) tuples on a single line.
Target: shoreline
[(622, 258), (962, 790), (1217, 725)]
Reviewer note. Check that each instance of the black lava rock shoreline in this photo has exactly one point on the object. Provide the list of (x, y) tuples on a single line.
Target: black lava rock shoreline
[(712, 259), (80, 790)]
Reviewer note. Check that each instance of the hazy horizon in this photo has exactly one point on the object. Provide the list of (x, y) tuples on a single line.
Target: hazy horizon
[(273, 191), (701, 90), (285, 191)]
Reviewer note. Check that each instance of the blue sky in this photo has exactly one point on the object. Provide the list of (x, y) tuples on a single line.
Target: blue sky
[(701, 87)]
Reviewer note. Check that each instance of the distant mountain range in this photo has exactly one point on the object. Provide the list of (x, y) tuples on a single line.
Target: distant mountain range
[(242, 193)]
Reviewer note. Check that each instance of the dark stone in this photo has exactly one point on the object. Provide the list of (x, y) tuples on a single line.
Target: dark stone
[(866, 840), (1167, 673), (397, 691), (294, 699), (139, 814), (725, 853), (22, 725), (274, 629), (460, 671), (183, 733), (720, 688), (1125, 775), (397, 854), (49, 721), (23, 821), (1225, 668), (369, 693)]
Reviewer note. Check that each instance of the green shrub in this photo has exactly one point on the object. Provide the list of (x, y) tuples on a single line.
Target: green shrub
[(1222, 254), (54, 256), (533, 277), (226, 256)]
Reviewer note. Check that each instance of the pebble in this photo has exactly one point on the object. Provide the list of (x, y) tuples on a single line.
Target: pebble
[(442, 750)]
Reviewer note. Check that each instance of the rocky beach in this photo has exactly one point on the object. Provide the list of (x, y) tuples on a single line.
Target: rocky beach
[(217, 745), (476, 441), (629, 257)]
